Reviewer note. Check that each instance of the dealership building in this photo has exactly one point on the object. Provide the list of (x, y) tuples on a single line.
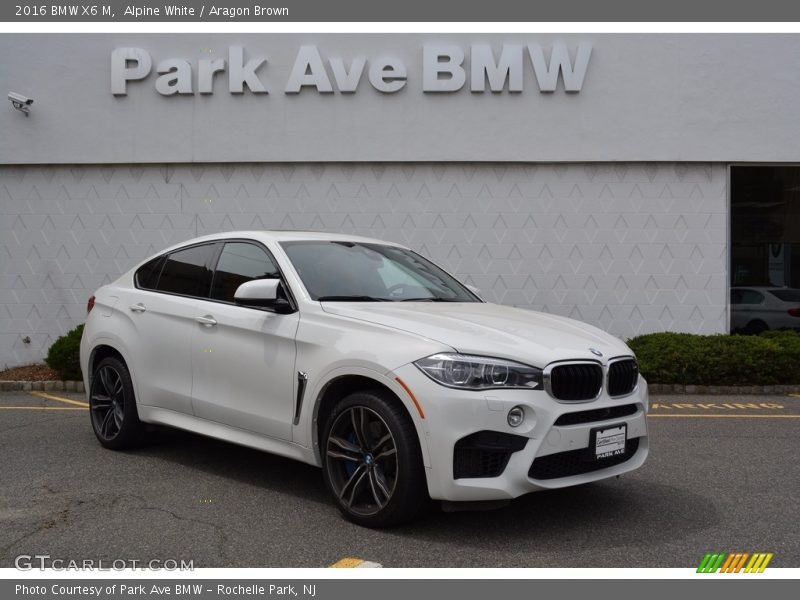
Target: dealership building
[(624, 180)]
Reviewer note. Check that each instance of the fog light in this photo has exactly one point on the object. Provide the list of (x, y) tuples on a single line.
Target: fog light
[(515, 416)]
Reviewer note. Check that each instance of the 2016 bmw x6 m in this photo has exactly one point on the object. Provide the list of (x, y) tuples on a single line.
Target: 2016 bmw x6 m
[(367, 360)]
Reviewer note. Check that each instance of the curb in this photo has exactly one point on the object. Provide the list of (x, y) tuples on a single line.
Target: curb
[(42, 386), (723, 390)]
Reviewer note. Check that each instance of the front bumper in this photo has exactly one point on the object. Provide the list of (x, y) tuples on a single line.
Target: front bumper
[(451, 415)]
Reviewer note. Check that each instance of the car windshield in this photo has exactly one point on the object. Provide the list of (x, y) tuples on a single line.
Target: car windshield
[(358, 272)]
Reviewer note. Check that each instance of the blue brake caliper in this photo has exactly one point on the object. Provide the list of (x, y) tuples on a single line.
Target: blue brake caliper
[(351, 467)]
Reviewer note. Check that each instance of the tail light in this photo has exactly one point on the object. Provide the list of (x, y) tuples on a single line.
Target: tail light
[(795, 312), (90, 305)]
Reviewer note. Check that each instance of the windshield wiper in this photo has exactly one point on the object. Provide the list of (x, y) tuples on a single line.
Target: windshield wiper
[(429, 299), (352, 299)]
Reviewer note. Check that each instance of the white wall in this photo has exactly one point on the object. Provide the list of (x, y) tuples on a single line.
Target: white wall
[(631, 247), (668, 97)]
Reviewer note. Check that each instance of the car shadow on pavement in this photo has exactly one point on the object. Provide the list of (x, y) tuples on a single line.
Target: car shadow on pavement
[(631, 511), (242, 464)]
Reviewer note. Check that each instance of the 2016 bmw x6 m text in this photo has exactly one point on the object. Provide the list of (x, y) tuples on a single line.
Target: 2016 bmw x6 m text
[(367, 360)]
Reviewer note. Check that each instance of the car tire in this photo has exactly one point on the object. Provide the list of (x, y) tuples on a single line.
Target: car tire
[(112, 406), (756, 327), (375, 473)]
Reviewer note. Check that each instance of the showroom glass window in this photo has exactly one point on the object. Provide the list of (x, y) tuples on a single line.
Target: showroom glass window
[(239, 263), (765, 247), (765, 226), (186, 272)]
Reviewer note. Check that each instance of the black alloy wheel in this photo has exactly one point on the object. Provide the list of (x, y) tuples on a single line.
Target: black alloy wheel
[(112, 406), (363, 460), (372, 461)]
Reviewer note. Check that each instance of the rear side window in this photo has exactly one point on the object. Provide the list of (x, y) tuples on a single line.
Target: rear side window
[(186, 272), (746, 297), (239, 263), (147, 275)]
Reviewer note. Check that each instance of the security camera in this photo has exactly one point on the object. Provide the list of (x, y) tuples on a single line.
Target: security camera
[(20, 102)]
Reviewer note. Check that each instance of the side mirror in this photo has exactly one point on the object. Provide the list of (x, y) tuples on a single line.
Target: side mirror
[(262, 293)]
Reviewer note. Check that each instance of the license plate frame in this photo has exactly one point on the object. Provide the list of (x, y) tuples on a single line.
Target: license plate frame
[(609, 441)]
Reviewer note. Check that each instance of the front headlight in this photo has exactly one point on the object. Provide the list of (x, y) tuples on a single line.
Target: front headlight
[(469, 372)]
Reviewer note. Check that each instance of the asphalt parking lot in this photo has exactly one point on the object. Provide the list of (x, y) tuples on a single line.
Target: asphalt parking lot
[(723, 475)]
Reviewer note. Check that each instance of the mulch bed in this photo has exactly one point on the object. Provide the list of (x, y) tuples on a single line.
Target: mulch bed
[(29, 373)]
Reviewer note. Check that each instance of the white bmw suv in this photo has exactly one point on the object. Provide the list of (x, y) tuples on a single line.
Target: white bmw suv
[(367, 360)]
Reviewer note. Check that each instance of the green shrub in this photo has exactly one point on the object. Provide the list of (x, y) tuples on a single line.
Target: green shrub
[(682, 358), (64, 355)]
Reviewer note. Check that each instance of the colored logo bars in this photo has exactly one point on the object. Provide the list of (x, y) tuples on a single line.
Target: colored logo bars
[(735, 562)]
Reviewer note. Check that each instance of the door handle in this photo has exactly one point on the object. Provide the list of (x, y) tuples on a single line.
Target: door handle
[(208, 320), (140, 308)]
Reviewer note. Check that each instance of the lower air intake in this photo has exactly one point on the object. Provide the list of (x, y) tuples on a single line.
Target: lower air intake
[(577, 462), (485, 454)]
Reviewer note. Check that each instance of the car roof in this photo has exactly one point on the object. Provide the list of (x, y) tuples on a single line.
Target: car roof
[(286, 235)]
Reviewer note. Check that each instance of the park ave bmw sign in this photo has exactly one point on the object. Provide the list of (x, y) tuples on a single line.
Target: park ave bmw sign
[(445, 68)]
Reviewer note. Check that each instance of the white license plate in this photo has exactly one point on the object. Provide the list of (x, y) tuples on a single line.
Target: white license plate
[(610, 442)]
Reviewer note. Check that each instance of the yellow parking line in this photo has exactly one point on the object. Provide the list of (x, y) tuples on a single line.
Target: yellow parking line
[(59, 399), (354, 563), (346, 563), (707, 416), (42, 408)]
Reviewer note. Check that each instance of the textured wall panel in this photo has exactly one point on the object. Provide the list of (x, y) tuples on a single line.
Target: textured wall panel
[(632, 248)]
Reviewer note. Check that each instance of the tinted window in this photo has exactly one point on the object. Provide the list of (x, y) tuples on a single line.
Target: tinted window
[(239, 263), (147, 275), (786, 295), (746, 297), (186, 272)]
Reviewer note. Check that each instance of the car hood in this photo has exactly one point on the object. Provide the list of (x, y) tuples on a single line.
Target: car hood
[(490, 329)]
